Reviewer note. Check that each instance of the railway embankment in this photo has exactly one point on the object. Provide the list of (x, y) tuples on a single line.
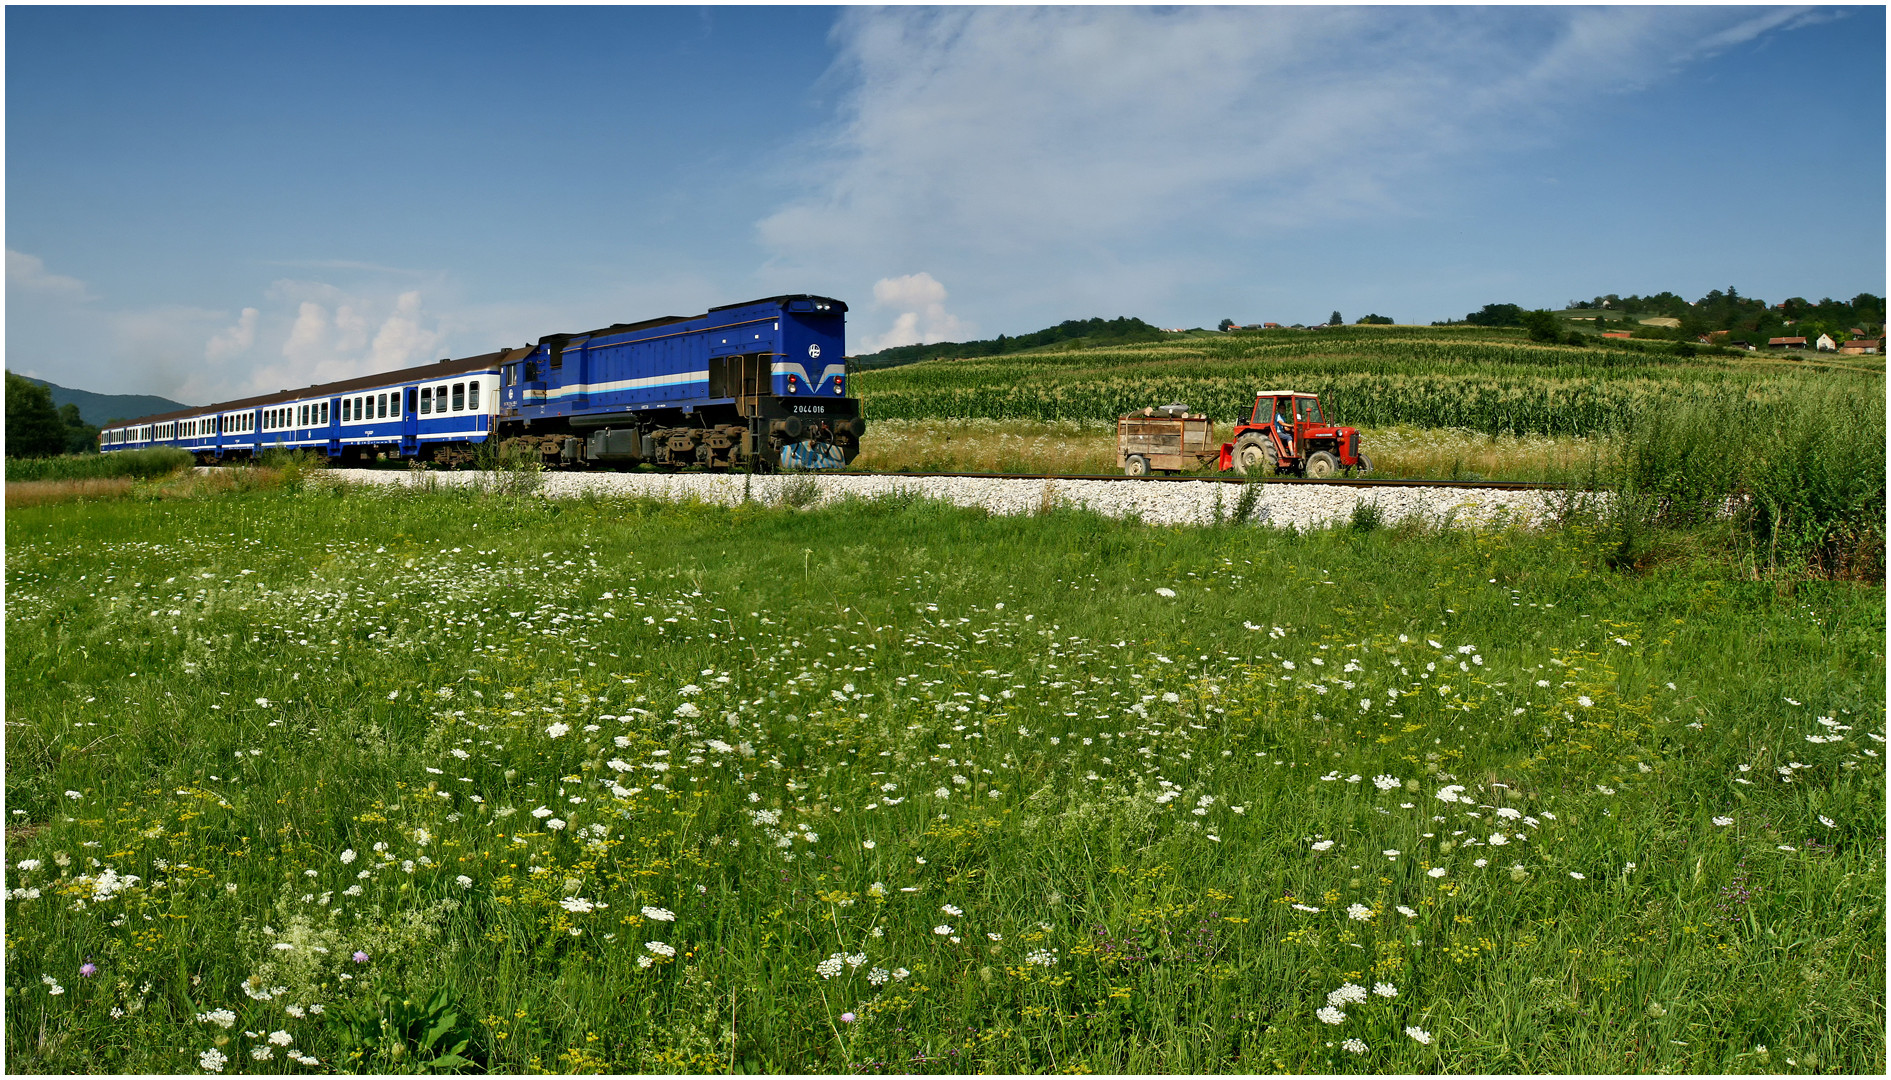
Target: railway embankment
[(1171, 502)]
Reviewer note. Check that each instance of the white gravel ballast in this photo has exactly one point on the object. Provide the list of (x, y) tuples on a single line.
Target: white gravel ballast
[(1303, 506)]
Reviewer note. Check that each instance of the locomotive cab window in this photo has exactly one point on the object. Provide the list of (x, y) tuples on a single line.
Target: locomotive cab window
[(531, 371)]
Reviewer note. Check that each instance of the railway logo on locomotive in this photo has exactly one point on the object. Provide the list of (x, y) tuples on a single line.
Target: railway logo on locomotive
[(814, 352)]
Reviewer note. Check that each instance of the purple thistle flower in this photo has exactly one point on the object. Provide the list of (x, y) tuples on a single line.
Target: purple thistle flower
[(361, 957), (88, 970)]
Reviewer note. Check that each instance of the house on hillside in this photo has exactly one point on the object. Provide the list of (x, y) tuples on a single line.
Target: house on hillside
[(1270, 326), (1859, 347), (1786, 343), (1824, 343)]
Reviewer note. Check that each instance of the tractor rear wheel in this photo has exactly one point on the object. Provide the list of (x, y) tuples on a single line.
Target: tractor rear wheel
[(1253, 451), (1321, 465), (1136, 465)]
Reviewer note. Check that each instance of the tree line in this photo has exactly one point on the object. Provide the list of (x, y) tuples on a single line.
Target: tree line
[(1122, 330), (1743, 317), (36, 429)]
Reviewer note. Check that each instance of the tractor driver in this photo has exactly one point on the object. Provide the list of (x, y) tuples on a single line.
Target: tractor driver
[(1283, 423)]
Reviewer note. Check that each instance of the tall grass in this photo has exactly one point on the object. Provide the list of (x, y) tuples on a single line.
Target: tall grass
[(137, 464), (1801, 479)]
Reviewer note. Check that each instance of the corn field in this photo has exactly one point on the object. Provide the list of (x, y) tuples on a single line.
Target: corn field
[(1489, 381)]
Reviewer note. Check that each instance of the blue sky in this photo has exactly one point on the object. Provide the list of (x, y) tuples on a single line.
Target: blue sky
[(208, 202)]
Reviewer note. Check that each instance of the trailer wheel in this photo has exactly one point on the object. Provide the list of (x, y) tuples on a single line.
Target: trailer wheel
[(1321, 465), (1136, 465), (1253, 451)]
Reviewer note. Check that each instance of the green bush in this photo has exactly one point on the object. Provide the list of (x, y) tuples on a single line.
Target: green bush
[(141, 464)]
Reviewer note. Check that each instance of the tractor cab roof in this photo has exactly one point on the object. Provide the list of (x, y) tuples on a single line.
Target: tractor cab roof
[(1283, 393)]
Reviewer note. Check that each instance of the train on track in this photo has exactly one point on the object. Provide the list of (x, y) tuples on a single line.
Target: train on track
[(761, 385)]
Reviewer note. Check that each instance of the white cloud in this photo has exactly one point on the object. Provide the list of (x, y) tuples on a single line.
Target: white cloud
[(919, 301), (402, 341), (28, 273), (234, 340), (308, 343), (1062, 156)]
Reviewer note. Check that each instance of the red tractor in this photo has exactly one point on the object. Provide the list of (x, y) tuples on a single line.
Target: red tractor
[(1288, 433)]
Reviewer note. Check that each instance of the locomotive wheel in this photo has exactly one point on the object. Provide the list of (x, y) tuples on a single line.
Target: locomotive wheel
[(1136, 465), (1253, 451), (1321, 465)]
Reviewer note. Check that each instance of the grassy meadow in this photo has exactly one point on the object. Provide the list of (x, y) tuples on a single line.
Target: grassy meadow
[(307, 778)]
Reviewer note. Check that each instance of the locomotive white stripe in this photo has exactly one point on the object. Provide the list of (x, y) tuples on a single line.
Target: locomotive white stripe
[(792, 367), (681, 378)]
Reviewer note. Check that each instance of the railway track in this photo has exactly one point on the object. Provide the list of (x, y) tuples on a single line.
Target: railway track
[(1357, 482)]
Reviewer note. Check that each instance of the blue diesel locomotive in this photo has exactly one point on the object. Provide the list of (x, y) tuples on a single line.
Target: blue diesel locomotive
[(761, 384)]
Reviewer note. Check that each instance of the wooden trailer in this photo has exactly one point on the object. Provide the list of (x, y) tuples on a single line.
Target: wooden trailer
[(1168, 440)]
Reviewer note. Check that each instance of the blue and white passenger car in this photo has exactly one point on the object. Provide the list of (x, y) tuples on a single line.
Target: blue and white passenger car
[(419, 412), (761, 384)]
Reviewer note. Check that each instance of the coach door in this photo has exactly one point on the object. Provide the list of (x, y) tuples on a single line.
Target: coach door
[(334, 427), (410, 423)]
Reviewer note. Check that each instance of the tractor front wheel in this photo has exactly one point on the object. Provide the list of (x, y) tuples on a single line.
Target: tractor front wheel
[(1136, 465), (1321, 465), (1254, 451), (1364, 466)]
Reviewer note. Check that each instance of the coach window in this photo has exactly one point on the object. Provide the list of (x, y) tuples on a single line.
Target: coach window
[(426, 401), (472, 396), (459, 397), (324, 418)]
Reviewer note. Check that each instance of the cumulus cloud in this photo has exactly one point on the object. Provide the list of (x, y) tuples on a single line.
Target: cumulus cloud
[(918, 301), (234, 340), (28, 274), (1064, 155), (339, 334)]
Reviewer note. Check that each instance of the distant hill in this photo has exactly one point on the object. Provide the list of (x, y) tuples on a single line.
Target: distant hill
[(96, 409), (1071, 333)]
